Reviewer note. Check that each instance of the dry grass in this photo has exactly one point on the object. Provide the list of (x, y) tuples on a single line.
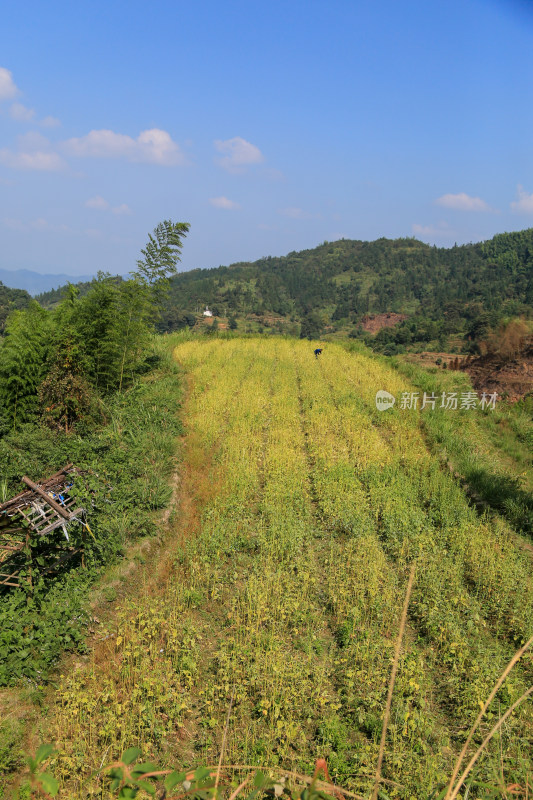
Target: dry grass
[(392, 681)]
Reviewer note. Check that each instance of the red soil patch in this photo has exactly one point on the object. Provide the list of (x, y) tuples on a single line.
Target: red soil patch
[(375, 322), (510, 377)]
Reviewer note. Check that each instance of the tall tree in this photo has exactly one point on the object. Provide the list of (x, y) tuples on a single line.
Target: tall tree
[(161, 255), (22, 357), (132, 326), (97, 322), (65, 394)]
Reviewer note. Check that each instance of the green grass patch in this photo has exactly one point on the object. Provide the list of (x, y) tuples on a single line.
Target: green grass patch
[(128, 462)]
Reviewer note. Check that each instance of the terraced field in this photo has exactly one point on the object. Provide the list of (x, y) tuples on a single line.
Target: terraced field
[(301, 511)]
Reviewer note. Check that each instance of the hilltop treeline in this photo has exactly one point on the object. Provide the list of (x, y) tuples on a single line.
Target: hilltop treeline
[(10, 300), (348, 279), (460, 291)]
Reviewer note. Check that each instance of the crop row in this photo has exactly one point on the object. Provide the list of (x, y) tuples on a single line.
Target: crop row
[(283, 602)]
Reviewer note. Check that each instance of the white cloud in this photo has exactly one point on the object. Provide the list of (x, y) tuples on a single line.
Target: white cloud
[(296, 213), (223, 202), (237, 154), (33, 141), (462, 202), (441, 231), (13, 224), (97, 202), (21, 113), (49, 122), (122, 209), (34, 153), (39, 224), (158, 147), (152, 146), (524, 203), (7, 86), (36, 160), (101, 204)]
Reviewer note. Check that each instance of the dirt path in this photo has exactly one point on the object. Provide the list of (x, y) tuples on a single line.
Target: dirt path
[(148, 564), (144, 580)]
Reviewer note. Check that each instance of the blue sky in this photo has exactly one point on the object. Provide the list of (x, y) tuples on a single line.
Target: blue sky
[(270, 127)]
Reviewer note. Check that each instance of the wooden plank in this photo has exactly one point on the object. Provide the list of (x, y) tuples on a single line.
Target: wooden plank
[(50, 528), (55, 477), (50, 500), (10, 575)]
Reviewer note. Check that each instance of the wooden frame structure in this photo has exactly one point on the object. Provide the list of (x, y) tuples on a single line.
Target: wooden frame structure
[(35, 514)]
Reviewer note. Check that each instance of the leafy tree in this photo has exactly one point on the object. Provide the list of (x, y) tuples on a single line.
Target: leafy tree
[(311, 327), (213, 328), (10, 300), (22, 357), (96, 321), (65, 395), (171, 319), (132, 327), (116, 316), (529, 291), (161, 255)]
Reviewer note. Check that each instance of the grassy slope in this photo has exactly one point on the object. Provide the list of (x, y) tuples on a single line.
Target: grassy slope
[(302, 507), (492, 451), (135, 455)]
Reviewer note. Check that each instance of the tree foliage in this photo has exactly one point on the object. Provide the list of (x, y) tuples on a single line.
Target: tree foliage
[(161, 254), (22, 363), (58, 362), (11, 300)]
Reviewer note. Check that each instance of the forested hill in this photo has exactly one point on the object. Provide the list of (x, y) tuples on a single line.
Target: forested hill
[(342, 281), (350, 278), (11, 299)]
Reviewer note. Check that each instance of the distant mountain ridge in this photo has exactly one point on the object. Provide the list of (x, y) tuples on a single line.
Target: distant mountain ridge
[(35, 283)]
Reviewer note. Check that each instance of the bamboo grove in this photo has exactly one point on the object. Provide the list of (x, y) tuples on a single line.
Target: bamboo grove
[(55, 366)]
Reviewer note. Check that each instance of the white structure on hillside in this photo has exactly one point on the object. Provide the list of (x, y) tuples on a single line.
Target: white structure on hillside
[(207, 313)]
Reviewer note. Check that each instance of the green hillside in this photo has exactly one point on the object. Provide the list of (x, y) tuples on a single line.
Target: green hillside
[(460, 291), (351, 278), (11, 299)]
